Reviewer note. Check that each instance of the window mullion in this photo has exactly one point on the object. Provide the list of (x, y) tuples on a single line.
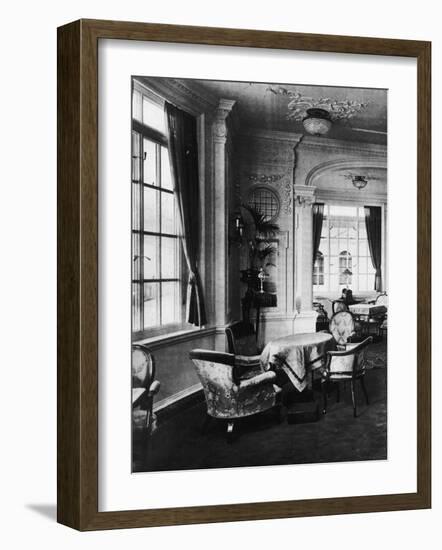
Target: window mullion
[(141, 214), (160, 224)]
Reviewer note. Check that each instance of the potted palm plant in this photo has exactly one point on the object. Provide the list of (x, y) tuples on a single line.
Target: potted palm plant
[(258, 233)]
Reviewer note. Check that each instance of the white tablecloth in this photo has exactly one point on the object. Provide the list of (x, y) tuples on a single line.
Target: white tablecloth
[(297, 354)]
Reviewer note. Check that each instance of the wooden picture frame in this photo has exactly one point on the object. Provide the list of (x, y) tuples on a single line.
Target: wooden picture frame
[(78, 274)]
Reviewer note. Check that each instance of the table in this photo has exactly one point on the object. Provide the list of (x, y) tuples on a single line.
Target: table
[(297, 355), (367, 310)]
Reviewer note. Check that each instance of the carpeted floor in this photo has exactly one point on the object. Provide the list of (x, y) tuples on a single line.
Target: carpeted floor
[(181, 444)]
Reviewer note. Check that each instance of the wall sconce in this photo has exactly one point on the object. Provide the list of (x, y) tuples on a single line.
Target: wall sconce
[(239, 225)]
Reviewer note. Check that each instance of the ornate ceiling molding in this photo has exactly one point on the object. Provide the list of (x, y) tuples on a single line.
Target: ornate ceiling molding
[(347, 164), (298, 105), (344, 146), (186, 94)]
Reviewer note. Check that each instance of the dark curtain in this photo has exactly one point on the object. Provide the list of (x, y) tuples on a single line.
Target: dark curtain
[(318, 217), (373, 224), (183, 154)]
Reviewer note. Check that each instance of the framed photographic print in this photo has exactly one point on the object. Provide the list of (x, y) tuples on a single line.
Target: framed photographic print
[(243, 275)]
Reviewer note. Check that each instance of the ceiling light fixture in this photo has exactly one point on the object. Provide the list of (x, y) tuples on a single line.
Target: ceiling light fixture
[(317, 122), (359, 181)]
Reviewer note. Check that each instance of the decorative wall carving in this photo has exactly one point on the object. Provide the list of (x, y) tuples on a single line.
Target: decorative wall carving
[(281, 183)]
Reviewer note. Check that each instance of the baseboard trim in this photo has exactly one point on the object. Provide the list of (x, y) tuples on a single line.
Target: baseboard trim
[(172, 405)]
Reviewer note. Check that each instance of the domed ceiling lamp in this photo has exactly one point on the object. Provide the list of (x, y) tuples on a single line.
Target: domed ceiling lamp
[(317, 122), (359, 182)]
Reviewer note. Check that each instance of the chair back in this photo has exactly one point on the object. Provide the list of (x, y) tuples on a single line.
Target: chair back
[(215, 372), (342, 326), (382, 300), (351, 362), (241, 338), (338, 306), (143, 367)]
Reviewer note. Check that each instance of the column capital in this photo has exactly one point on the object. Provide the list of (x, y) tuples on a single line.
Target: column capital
[(304, 195), (220, 129)]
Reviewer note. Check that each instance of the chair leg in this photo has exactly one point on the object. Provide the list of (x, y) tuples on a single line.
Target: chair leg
[(324, 396), (353, 399), (230, 426), (364, 389)]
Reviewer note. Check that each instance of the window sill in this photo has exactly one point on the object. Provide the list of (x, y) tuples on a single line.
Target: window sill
[(176, 337)]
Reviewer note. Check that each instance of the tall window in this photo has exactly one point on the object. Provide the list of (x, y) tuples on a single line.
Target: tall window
[(318, 269), (156, 250), (344, 256)]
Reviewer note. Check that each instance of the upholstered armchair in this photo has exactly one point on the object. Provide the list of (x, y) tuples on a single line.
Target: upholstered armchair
[(342, 328), (241, 339), (345, 365), (232, 388), (144, 389)]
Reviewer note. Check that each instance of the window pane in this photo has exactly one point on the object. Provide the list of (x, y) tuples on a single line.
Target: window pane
[(363, 282), (153, 115), (170, 303), (136, 205), (166, 178), (151, 220), (136, 158), (149, 162), (151, 253), (136, 307), (169, 258), (136, 105), (136, 259), (151, 304), (362, 264), (363, 247), (168, 214), (334, 282)]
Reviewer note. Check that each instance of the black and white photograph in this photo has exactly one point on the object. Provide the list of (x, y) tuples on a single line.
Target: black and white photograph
[(259, 274)]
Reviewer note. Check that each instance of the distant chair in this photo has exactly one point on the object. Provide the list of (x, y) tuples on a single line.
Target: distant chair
[(344, 365), (382, 300), (342, 328), (241, 339), (229, 389), (339, 305), (144, 388)]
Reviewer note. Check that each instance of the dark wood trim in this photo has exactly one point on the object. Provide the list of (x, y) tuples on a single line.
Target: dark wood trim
[(78, 274)]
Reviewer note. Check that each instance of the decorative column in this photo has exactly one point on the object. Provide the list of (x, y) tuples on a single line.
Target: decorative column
[(220, 135), (304, 197)]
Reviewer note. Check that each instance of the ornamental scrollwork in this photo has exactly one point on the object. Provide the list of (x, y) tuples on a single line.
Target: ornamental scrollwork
[(298, 105)]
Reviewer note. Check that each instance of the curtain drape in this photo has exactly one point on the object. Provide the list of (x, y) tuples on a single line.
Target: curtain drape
[(318, 217), (373, 225), (183, 155)]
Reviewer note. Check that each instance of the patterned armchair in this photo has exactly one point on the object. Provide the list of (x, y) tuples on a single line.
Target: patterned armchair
[(144, 388), (232, 388), (342, 328), (344, 365)]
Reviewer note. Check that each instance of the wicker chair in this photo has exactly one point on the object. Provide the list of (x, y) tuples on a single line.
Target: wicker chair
[(345, 365)]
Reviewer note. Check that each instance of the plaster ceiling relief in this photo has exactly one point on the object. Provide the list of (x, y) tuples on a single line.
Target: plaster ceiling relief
[(359, 114)]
